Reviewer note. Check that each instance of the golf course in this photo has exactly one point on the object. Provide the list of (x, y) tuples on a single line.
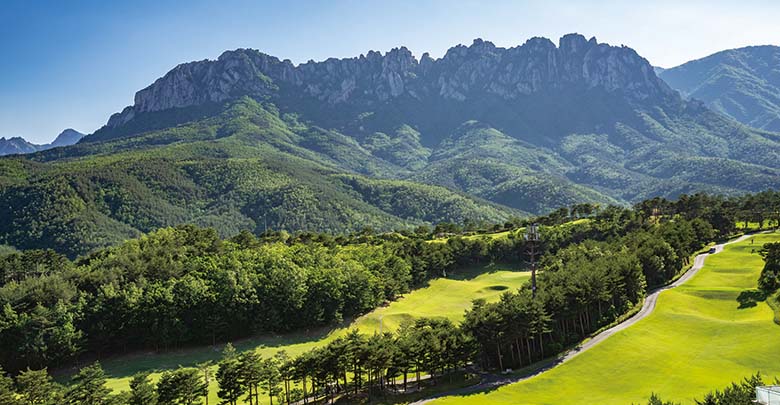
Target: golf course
[(448, 298), (702, 335)]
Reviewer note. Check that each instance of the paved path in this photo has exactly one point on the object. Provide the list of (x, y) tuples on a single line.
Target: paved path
[(490, 381)]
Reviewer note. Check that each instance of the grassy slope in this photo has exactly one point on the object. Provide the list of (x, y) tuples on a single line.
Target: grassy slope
[(442, 298), (696, 340)]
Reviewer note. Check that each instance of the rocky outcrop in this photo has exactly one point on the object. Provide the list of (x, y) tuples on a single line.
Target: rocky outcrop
[(463, 72)]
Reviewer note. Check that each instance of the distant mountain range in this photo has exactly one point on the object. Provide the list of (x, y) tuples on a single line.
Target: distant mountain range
[(742, 83), (18, 145), (484, 133)]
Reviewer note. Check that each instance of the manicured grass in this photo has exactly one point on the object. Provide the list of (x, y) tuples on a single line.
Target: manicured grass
[(441, 298), (697, 339)]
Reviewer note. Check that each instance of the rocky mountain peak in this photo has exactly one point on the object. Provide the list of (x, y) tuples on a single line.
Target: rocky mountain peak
[(576, 43), (464, 71)]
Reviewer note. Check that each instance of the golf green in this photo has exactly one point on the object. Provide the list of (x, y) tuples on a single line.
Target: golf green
[(699, 338), (441, 298)]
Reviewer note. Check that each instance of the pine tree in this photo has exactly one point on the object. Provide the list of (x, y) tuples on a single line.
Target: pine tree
[(36, 388), (142, 391), (229, 378), (251, 374), (271, 378), (181, 387), (205, 370), (89, 387), (7, 394)]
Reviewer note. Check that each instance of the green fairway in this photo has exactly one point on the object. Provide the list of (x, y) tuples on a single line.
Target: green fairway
[(697, 339), (442, 298)]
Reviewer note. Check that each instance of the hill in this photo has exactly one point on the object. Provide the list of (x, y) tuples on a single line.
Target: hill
[(241, 169), (742, 83)]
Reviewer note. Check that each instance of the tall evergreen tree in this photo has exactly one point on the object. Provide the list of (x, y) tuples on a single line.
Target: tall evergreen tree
[(36, 388), (88, 387), (181, 387), (205, 371), (251, 365), (142, 391), (229, 378), (7, 394)]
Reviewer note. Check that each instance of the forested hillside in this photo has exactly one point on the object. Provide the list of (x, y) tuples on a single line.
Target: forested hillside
[(244, 168), (742, 83)]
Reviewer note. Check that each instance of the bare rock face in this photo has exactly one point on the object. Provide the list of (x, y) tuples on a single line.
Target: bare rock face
[(463, 72)]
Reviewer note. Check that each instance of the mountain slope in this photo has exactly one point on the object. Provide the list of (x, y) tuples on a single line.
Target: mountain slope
[(222, 172), (742, 83)]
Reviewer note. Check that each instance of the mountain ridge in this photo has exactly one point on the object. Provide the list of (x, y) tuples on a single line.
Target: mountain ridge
[(18, 145), (380, 77), (743, 83)]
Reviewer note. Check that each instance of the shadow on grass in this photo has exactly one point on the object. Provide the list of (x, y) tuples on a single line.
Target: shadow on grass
[(750, 298), (475, 270), (126, 365), (449, 383)]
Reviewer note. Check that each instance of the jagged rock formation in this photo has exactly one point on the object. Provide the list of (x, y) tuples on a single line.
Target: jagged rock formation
[(464, 72)]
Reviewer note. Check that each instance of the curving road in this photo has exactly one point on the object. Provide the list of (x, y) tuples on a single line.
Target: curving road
[(492, 381)]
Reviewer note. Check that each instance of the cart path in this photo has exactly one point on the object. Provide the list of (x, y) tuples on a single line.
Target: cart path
[(490, 381)]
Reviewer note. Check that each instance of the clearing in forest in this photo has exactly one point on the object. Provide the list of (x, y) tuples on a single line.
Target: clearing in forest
[(448, 298)]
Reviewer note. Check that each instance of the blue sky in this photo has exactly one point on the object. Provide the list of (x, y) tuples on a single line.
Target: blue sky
[(73, 63)]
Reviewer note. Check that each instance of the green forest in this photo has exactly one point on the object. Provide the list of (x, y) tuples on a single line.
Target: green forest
[(186, 285)]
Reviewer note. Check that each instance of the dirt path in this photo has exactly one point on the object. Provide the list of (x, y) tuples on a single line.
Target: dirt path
[(492, 381)]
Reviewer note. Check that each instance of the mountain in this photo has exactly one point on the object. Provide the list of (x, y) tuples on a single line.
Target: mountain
[(66, 138), (742, 83), (18, 145), (243, 168), (249, 141), (598, 110)]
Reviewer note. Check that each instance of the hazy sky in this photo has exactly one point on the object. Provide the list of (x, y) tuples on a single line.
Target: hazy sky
[(73, 63)]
